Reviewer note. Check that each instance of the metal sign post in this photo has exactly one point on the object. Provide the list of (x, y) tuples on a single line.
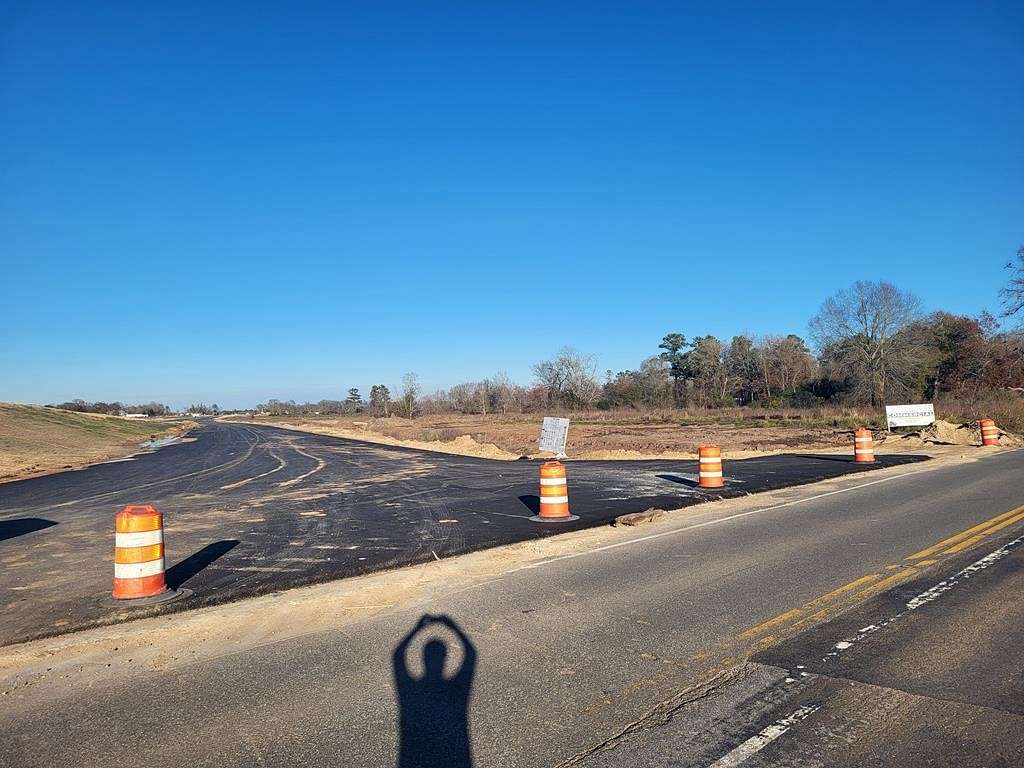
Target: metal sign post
[(553, 435)]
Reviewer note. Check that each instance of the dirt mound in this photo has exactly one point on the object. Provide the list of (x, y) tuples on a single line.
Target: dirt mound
[(621, 454), (640, 518), (463, 445), (947, 433), (1009, 440)]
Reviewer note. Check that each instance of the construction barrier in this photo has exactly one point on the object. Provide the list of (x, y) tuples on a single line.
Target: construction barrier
[(863, 448), (709, 473), (989, 432), (138, 553), (554, 494)]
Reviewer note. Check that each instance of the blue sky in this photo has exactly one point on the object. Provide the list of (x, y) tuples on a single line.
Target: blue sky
[(284, 200)]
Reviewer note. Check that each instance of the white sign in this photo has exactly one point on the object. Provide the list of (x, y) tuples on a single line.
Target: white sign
[(553, 435), (919, 415)]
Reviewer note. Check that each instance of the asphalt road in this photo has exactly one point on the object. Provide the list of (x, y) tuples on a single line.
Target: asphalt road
[(929, 673), (583, 652), (251, 509)]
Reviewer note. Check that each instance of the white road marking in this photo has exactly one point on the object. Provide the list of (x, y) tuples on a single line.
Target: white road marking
[(933, 593), (756, 743), (281, 465), (944, 586), (717, 521), (320, 464)]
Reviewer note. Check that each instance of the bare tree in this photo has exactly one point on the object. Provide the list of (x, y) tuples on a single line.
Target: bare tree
[(502, 392), (1013, 294), (410, 391), (788, 363), (862, 333), (569, 379)]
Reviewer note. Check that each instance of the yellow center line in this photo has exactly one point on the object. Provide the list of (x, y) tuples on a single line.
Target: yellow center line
[(1004, 524), (965, 534), (872, 584), (884, 584), (780, 619), (829, 596), (814, 618), (964, 544)]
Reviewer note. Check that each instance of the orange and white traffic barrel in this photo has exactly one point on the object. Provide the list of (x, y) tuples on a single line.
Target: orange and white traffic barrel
[(989, 432), (709, 473), (554, 494), (863, 448), (138, 553)]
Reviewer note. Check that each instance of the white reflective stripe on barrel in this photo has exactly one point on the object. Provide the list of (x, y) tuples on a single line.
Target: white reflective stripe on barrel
[(552, 481), (864, 450), (554, 499), (710, 459), (710, 474), (138, 570), (141, 539)]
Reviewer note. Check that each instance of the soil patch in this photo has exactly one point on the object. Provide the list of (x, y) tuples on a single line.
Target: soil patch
[(36, 441), (629, 436)]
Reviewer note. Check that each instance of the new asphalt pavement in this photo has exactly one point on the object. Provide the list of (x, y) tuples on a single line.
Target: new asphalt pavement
[(872, 622), (255, 509)]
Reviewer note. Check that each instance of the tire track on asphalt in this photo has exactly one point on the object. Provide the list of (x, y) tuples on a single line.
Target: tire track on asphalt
[(198, 473), (281, 464), (320, 464)]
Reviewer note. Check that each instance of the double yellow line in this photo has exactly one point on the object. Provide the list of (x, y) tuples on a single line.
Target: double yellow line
[(821, 608), (971, 536)]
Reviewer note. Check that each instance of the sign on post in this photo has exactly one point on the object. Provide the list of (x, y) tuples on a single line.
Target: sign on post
[(553, 435), (920, 415)]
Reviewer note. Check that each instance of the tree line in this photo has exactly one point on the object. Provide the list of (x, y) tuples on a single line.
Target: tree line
[(869, 345), (112, 409)]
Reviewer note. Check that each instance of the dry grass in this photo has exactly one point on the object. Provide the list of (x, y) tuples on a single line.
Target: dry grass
[(631, 434), (1006, 408), (36, 440), (595, 434)]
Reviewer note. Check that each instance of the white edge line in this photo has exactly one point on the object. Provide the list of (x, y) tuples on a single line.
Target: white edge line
[(716, 521), (760, 740), (929, 595)]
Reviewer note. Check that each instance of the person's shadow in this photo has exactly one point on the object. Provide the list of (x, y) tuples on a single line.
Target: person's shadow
[(434, 709)]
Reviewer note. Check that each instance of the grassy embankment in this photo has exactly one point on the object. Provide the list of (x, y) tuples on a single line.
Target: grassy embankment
[(36, 440)]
